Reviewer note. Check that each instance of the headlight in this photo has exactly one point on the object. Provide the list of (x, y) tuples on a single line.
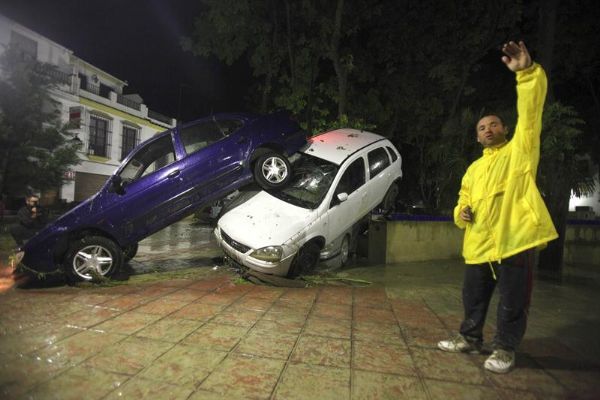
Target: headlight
[(269, 254)]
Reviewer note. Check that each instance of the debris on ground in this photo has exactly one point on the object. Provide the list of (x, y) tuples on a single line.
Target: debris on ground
[(301, 282)]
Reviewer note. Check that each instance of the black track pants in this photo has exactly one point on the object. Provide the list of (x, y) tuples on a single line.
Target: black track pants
[(514, 281)]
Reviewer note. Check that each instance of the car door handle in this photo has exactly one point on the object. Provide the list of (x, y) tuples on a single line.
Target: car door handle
[(173, 174), (240, 140)]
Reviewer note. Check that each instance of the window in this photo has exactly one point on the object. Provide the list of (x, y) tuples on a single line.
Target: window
[(228, 126), (25, 47), (130, 139), (104, 90), (148, 159), (99, 144), (353, 178), (392, 153), (198, 136), (83, 81), (378, 161)]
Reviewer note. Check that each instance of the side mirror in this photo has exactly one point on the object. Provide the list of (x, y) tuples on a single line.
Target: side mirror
[(339, 198), (342, 197), (116, 185)]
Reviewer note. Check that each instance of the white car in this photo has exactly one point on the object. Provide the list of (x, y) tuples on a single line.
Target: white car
[(338, 179)]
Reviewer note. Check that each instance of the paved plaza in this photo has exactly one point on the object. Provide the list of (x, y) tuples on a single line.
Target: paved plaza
[(195, 330), (217, 337)]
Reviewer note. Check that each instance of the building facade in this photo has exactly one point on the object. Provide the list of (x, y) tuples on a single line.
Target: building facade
[(108, 122)]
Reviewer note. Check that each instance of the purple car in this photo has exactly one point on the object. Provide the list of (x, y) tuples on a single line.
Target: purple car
[(161, 181)]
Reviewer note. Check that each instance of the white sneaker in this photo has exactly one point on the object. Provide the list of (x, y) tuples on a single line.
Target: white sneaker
[(458, 344), (501, 361)]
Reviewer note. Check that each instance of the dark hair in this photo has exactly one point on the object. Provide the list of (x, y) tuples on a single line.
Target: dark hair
[(489, 114)]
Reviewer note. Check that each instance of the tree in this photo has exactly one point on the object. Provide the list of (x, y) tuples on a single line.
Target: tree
[(427, 53), (567, 145), (301, 52), (564, 169), (420, 73), (35, 151)]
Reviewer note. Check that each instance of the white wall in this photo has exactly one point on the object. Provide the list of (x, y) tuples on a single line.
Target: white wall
[(71, 96)]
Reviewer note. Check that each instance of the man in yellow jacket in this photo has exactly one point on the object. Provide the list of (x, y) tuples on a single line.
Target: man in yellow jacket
[(504, 217)]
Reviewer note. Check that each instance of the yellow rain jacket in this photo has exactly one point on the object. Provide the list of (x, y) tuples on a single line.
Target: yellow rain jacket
[(509, 214)]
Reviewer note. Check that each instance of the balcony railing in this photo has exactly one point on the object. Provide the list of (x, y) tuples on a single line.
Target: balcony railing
[(90, 87), (159, 117), (57, 75), (66, 78), (60, 76), (128, 102)]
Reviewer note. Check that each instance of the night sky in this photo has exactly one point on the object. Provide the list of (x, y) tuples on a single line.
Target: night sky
[(138, 41)]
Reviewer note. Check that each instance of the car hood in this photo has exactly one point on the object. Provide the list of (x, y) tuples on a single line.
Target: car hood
[(265, 220)]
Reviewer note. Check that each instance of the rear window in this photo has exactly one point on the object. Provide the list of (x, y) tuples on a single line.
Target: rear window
[(378, 161), (392, 153)]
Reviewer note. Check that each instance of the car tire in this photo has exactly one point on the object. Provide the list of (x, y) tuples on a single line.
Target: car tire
[(388, 204), (305, 261), (91, 258), (129, 252), (272, 170), (345, 251)]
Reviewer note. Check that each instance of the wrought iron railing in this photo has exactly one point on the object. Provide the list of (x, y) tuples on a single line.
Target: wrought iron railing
[(59, 76), (90, 87), (127, 102), (159, 117)]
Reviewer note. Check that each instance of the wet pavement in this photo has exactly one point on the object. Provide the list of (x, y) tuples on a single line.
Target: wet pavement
[(211, 336), (181, 245)]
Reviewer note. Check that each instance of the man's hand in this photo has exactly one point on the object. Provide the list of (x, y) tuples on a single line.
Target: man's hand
[(466, 214), (517, 57)]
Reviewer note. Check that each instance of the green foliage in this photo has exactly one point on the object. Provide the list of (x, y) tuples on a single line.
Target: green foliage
[(411, 70), (34, 150), (563, 164)]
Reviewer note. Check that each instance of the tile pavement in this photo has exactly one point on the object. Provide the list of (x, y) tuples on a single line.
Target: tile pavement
[(214, 339)]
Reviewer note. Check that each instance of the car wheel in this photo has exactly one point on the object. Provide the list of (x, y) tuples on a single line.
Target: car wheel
[(129, 252), (305, 261), (272, 170), (345, 251), (93, 257), (389, 201)]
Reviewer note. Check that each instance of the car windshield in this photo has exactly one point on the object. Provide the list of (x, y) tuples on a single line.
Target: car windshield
[(311, 180)]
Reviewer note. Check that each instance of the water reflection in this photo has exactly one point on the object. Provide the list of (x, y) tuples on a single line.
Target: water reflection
[(181, 245)]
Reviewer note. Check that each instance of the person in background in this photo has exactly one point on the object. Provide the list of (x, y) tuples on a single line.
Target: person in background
[(505, 219), (31, 218)]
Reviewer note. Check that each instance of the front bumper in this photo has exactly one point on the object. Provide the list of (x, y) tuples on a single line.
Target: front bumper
[(281, 268)]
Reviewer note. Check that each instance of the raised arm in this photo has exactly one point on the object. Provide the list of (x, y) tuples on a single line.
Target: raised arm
[(531, 94)]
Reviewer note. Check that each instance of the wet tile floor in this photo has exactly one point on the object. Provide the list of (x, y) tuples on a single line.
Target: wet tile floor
[(213, 338)]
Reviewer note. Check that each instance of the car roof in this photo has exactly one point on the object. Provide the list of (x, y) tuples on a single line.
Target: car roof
[(337, 145)]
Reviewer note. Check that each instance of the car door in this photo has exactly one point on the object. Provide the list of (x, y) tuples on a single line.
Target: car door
[(380, 175), (150, 183), (214, 153), (343, 214)]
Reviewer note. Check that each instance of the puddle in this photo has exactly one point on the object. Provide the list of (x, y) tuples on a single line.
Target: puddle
[(179, 246)]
